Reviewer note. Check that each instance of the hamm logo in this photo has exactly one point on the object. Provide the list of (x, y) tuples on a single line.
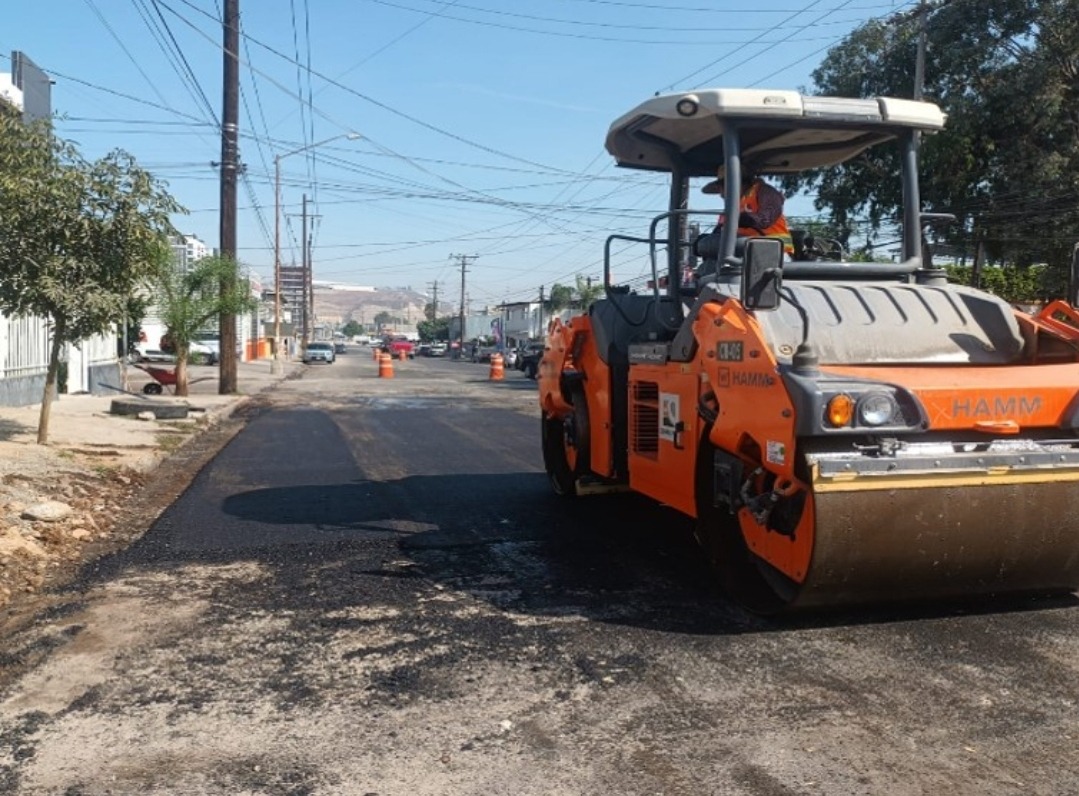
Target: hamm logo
[(985, 408)]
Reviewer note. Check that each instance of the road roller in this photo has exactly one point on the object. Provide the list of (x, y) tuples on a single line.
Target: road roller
[(841, 432)]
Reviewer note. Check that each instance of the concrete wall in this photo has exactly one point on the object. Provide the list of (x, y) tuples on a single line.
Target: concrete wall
[(22, 390), (104, 373)]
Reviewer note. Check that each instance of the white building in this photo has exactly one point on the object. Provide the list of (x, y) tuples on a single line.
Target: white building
[(188, 249), (9, 92)]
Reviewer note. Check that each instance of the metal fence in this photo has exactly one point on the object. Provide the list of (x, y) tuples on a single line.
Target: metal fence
[(24, 361)]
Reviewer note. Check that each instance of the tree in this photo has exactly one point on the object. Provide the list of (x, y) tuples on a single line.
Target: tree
[(383, 319), (189, 299), (587, 292), (76, 238), (1007, 74), (351, 329), (561, 297), (438, 329)]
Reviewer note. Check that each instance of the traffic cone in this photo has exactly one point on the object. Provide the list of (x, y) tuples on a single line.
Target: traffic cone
[(377, 352), (402, 355), (385, 366), (497, 368)]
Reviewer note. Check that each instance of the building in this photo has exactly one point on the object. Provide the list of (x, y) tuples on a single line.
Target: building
[(294, 294), (523, 321), (188, 249), (27, 88)]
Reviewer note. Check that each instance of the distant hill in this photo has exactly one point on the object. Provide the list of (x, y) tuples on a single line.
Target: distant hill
[(341, 306)]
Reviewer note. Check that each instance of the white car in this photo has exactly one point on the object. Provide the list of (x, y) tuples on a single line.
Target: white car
[(142, 352), (207, 354)]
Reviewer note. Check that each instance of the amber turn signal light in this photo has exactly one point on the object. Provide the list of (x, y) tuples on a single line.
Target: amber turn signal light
[(840, 410)]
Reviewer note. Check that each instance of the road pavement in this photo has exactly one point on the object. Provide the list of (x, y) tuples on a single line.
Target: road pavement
[(370, 589)]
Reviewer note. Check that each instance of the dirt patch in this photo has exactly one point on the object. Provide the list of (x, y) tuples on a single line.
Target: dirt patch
[(114, 493)]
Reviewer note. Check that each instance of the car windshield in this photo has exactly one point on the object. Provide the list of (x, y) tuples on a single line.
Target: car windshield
[(318, 347)]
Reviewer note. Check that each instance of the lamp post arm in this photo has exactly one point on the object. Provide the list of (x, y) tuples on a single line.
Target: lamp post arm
[(276, 365)]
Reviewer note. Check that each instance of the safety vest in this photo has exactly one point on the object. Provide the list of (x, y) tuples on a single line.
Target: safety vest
[(749, 204)]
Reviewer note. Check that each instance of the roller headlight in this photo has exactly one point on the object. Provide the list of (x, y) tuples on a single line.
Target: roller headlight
[(876, 409), (688, 105)]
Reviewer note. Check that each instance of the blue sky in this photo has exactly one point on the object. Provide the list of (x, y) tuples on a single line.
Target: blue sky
[(481, 122)]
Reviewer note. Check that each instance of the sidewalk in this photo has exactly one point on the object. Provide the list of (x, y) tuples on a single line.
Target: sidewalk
[(82, 424)]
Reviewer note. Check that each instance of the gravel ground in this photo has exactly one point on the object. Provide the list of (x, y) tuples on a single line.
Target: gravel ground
[(95, 486), (95, 463)]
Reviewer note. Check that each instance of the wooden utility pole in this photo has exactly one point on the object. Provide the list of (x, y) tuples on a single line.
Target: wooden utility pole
[(919, 58), (542, 332), (309, 245), (230, 116), (463, 259), (305, 274), (434, 301)]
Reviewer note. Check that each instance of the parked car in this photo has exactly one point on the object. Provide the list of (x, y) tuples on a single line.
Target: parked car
[(339, 348), (142, 352), (209, 341), (437, 350), (202, 354), (319, 352), (528, 359)]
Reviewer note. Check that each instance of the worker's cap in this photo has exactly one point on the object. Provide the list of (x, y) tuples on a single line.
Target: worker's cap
[(749, 173)]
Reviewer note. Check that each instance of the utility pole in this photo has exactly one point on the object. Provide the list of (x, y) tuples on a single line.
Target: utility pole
[(919, 58), (541, 331), (463, 259), (311, 275), (434, 301), (306, 276), (230, 116)]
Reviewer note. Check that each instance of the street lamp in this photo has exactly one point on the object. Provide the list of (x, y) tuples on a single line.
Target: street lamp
[(275, 365)]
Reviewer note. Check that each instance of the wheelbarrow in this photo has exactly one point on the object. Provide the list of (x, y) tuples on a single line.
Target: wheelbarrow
[(162, 377)]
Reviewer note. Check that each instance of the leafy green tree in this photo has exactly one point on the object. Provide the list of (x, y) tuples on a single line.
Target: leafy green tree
[(189, 300), (1007, 74), (438, 329), (383, 319), (561, 297), (76, 238), (351, 329), (587, 292)]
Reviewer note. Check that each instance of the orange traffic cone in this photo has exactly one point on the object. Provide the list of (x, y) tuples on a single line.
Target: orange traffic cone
[(497, 367), (377, 352), (385, 366)]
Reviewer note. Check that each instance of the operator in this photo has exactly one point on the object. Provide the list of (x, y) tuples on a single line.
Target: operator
[(760, 209)]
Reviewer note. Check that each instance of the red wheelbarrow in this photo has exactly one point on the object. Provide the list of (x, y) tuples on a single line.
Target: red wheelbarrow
[(163, 377)]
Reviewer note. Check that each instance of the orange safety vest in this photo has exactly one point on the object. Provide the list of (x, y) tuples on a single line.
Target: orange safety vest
[(749, 204)]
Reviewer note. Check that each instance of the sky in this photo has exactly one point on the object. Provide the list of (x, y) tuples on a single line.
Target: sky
[(428, 130)]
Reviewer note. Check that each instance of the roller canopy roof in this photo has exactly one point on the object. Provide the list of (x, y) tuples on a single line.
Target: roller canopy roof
[(781, 132)]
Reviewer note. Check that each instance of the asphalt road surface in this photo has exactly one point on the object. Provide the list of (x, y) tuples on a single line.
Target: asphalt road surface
[(371, 590)]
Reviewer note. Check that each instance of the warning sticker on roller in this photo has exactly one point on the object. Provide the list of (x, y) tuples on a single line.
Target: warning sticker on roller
[(775, 452), (671, 413)]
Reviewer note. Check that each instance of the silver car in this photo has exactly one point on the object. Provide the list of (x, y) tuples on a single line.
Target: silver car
[(319, 352)]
